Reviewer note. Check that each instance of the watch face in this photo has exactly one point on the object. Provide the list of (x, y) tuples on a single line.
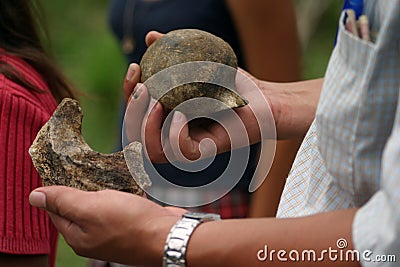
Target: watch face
[(202, 216)]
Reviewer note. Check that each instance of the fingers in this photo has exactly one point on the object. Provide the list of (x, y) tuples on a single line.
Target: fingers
[(67, 228), (62, 203), (99, 224), (182, 145), (131, 79), (135, 113), (152, 36), (59, 200), (152, 134)]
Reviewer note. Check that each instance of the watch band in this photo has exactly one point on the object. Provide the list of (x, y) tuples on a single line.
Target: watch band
[(178, 237)]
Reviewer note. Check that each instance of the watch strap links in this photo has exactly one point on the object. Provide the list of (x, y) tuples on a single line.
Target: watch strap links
[(178, 238)]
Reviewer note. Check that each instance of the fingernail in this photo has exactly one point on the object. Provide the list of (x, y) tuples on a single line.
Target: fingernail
[(137, 93), (178, 117), (37, 199), (130, 73)]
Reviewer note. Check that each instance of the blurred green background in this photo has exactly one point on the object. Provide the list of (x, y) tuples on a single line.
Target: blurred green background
[(90, 57)]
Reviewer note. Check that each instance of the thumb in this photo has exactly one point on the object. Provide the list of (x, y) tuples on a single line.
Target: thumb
[(152, 36), (135, 112), (131, 80), (37, 199), (182, 145), (59, 200)]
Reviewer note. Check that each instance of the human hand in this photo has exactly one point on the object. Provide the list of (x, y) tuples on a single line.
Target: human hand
[(136, 92), (199, 138), (275, 110), (109, 225), (132, 78), (152, 36)]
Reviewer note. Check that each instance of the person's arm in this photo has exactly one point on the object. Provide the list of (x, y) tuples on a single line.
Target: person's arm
[(269, 40), (293, 105), (128, 229), (249, 242), (293, 108)]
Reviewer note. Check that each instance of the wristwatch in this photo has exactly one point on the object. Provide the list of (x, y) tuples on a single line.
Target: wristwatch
[(178, 237)]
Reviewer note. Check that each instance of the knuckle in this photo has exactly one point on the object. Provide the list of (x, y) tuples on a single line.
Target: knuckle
[(73, 242), (83, 247), (192, 154), (58, 202), (194, 151)]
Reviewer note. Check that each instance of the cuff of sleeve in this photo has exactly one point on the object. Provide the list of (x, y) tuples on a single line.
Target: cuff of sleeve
[(28, 247)]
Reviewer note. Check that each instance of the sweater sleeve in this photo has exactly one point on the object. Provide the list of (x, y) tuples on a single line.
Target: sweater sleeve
[(23, 228)]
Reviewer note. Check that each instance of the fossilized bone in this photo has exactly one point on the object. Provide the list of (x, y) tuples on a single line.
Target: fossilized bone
[(201, 80), (62, 157)]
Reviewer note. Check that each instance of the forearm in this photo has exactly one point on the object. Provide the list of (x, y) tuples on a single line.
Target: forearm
[(268, 38), (293, 105), (290, 106), (237, 242)]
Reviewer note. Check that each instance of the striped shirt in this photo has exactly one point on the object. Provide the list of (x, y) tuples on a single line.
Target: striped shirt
[(23, 229), (350, 155)]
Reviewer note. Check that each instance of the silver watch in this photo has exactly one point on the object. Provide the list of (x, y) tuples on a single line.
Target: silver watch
[(178, 238)]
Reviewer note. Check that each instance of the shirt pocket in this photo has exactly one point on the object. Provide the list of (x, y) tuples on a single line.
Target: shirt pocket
[(341, 103)]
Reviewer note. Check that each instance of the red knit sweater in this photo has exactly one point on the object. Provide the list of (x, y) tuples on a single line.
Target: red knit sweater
[(23, 228)]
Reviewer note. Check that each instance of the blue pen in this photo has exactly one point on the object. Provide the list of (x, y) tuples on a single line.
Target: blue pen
[(356, 5)]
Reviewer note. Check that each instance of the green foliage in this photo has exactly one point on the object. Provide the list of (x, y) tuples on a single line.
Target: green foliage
[(89, 55), (66, 256), (316, 56)]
